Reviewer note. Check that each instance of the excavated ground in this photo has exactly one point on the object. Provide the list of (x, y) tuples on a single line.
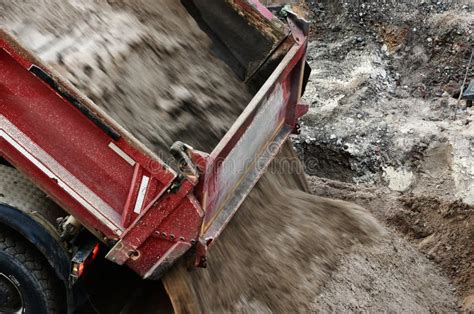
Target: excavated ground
[(385, 120), (148, 65)]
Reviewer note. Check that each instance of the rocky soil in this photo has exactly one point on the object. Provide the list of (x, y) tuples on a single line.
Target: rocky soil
[(385, 127), (381, 94)]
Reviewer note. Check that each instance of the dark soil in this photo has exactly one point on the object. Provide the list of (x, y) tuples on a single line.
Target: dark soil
[(441, 230)]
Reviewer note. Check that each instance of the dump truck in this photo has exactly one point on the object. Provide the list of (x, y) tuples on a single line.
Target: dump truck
[(75, 185)]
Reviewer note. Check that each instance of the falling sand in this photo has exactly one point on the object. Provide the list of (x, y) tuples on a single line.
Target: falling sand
[(149, 66), (145, 62), (279, 249)]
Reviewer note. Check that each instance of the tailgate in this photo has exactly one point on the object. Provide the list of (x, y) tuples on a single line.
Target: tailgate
[(242, 156)]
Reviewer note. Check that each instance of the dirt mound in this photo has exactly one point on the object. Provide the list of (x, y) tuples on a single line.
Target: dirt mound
[(441, 230), (280, 248), (346, 270), (390, 276)]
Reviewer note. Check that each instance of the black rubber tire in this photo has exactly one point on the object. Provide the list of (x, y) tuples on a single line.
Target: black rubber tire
[(28, 270)]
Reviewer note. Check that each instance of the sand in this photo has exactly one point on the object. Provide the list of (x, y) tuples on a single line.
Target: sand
[(287, 251), (279, 249)]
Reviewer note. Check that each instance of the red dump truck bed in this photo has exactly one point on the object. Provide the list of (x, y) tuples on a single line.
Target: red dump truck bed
[(148, 213)]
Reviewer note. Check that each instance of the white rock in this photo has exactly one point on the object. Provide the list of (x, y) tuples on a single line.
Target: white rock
[(398, 179)]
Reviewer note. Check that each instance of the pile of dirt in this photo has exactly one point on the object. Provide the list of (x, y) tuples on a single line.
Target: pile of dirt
[(313, 254), (279, 249), (389, 277), (441, 230)]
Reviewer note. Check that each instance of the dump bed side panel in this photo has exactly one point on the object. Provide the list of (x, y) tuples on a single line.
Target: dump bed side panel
[(84, 163)]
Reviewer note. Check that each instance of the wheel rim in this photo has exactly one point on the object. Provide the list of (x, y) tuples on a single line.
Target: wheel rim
[(11, 300)]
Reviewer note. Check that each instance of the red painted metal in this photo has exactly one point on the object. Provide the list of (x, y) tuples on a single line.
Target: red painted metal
[(120, 190), (72, 159), (241, 157)]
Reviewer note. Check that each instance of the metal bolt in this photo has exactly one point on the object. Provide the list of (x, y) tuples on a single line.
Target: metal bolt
[(171, 236), (182, 239), (163, 235)]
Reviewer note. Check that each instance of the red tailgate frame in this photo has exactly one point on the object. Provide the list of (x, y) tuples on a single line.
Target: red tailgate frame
[(242, 156)]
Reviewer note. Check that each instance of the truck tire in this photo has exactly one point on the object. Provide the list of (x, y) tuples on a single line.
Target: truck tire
[(27, 283)]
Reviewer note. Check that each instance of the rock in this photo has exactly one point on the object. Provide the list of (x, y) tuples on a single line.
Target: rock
[(398, 179)]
